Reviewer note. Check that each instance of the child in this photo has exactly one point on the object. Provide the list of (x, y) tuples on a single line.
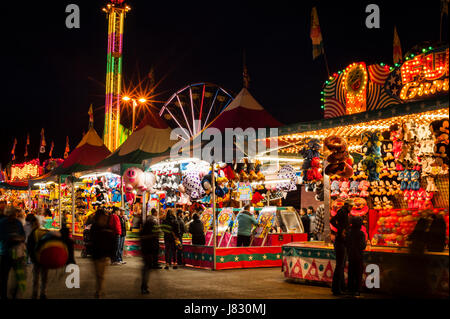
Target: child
[(356, 243)]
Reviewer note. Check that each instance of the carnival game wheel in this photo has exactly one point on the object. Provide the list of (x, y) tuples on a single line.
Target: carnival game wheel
[(195, 106)]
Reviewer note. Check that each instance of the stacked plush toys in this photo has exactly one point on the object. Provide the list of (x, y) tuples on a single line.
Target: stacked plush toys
[(311, 167)]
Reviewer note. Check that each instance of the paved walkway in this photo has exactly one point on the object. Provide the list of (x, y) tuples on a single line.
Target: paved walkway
[(183, 283)]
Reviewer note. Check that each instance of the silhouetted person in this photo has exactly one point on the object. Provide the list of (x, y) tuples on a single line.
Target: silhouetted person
[(340, 222), (436, 234), (149, 248), (103, 238), (356, 243), (170, 228), (197, 231)]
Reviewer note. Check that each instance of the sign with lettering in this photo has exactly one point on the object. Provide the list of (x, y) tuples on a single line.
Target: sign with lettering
[(27, 170), (421, 76)]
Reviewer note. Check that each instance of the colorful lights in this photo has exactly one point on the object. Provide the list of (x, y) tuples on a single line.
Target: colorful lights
[(112, 135), (355, 82), (26, 170), (425, 74)]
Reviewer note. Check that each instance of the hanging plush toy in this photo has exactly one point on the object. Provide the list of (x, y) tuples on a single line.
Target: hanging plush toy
[(339, 161), (372, 163), (287, 172), (135, 178)]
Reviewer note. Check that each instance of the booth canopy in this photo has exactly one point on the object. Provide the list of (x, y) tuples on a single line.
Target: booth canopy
[(244, 112), (85, 156), (151, 139)]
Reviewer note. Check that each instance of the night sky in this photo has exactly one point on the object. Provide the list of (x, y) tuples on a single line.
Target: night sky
[(51, 74)]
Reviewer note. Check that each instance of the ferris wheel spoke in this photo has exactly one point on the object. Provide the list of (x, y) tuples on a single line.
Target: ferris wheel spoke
[(184, 114), (210, 108), (192, 109), (201, 109)]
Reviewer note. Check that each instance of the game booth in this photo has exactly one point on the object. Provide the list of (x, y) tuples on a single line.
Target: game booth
[(384, 144), (187, 183)]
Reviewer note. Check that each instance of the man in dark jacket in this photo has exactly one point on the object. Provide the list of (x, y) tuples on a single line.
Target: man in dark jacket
[(196, 228), (356, 243), (340, 222), (149, 248), (170, 228), (181, 231)]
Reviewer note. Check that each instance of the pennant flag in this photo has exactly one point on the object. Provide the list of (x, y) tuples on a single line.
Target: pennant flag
[(91, 117), (397, 57), (315, 34), (51, 150), (26, 145), (67, 150), (42, 149), (13, 151)]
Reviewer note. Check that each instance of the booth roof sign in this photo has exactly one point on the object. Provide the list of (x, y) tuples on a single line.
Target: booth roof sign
[(424, 75), (24, 171)]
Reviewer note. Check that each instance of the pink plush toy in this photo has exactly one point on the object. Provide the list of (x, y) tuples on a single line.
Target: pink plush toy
[(135, 178)]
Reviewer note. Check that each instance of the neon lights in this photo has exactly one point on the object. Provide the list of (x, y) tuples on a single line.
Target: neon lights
[(112, 135), (355, 82), (26, 170), (425, 74)]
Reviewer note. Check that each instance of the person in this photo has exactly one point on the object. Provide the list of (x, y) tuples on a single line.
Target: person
[(245, 221), (436, 234), (305, 220), (319, 223), (197, 231), (103, 238), (418, 237), (114, 223), (340, 222), (170, 226), (179, 234), (123, 224), (38, 270), (12, 250), (355, 243), (312, 217), (149, 248)]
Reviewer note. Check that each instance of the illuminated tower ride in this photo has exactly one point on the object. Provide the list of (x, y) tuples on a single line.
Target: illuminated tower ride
[(114, 133)]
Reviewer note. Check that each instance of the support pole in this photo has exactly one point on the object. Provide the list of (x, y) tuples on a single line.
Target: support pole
[(59, 202), (144, 207), (213, 199), (326, 194), (122, 203), (73, 205)]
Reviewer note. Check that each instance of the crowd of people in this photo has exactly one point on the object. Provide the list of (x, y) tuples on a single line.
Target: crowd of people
[(21, 240)]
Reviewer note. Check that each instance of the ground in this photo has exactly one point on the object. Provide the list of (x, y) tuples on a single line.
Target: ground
[(123, 282)]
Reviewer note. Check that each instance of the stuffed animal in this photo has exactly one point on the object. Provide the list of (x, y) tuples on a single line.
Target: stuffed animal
[(372, 163), (135, 178), (313, 173), (363, 187), (287, 172), (335, 188), (354, 188), (415, 180), (193, 184)]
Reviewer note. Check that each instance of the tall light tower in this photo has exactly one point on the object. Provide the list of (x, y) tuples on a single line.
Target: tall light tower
[(113, 133)]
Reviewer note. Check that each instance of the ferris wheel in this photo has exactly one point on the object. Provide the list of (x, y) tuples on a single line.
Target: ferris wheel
[(193, 107)]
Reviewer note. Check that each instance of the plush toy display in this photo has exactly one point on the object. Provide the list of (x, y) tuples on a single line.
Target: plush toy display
[(100, 193), (135, 178), (287, 172), (372, 163)]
